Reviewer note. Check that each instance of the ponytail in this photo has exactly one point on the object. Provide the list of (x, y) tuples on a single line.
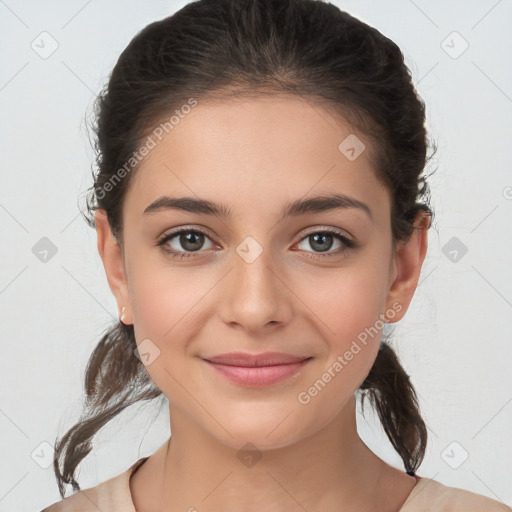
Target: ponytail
[(392, 395), (114, 380)]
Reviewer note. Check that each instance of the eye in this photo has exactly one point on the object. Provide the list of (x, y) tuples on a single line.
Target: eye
[(322, 242), (192, 241), (189, 239)]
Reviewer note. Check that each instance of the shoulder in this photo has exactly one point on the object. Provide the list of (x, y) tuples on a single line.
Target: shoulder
[(432, 496), (109, 496)]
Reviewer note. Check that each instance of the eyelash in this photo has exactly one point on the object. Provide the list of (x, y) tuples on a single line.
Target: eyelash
[(349, 244)]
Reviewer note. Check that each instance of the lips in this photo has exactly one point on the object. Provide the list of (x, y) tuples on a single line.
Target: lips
[(257, 370), (252, 360)]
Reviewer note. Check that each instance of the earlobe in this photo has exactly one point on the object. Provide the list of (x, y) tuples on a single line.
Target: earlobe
[(408, 260), (113, 262)]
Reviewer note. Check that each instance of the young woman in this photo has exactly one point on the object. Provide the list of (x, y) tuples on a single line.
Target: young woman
[(261, 213)]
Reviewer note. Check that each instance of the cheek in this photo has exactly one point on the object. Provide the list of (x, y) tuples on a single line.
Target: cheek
[(167, 302), (165, 318), (348, 313), (347, 306), (170, 309), (347, 303)]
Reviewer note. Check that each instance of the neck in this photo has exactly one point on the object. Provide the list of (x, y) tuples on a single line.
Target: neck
[(192, 471)]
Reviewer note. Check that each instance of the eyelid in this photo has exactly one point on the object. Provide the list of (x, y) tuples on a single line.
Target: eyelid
[(326, 229), (309, 231)]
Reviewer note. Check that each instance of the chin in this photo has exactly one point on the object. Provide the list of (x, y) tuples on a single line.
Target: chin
[(269, 431), (254, 440)]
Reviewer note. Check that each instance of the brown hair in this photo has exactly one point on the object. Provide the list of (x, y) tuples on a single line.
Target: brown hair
[(214, 47)]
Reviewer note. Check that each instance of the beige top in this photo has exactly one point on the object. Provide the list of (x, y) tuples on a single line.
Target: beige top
[(427, 495)]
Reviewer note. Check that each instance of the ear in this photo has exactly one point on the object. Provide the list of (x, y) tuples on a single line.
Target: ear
[(406, 264), (113, 262)]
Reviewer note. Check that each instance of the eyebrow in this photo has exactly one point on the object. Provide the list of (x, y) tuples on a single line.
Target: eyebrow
[(296, 208)]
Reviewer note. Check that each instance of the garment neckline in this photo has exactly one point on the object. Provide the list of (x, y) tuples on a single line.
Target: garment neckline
[(137, 465), (141, 461), (420, 482)]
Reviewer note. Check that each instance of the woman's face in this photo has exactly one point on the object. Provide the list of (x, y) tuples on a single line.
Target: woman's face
[(258, 281)]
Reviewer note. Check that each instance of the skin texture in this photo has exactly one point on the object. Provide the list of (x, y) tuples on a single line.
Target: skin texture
[(255, 156)]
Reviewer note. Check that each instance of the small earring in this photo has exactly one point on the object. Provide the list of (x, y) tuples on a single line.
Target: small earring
[(122, 313)]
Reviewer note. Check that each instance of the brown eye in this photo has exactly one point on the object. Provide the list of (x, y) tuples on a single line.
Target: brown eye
[(323, 241), (182, 241), (191, 241)]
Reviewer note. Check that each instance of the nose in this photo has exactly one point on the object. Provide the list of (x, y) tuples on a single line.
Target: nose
[(254, 294)]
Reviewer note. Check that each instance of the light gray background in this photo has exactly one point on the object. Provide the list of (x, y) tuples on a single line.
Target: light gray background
[(454, 341)]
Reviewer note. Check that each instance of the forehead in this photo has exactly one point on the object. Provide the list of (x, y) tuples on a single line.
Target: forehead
[(256, 152)]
